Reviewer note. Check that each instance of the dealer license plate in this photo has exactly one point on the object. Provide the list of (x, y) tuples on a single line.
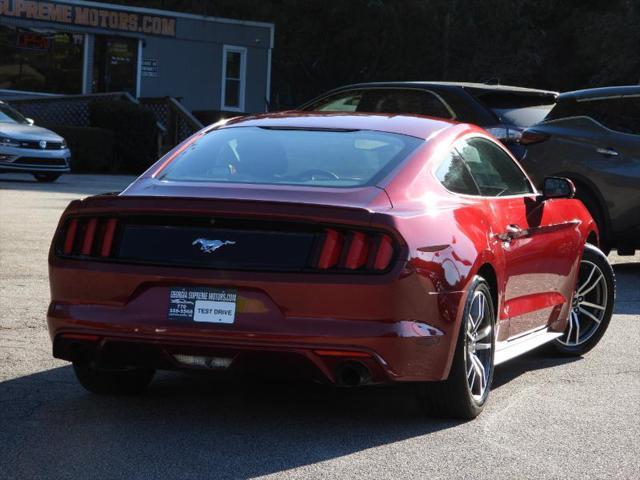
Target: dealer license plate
[(202, 304)]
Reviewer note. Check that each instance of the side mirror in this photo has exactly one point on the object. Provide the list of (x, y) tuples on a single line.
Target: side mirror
[(30, 121), (558, 187)]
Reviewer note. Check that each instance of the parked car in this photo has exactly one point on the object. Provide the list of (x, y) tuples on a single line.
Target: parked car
[(364, 249), (593, 137), (26, 148), (502, 110)]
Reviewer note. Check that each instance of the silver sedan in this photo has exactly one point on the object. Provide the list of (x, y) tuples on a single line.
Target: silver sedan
[(27, 148)]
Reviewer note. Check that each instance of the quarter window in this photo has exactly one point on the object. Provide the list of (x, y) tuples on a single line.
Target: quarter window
[(495, 172), (233, 78), (454, 175)]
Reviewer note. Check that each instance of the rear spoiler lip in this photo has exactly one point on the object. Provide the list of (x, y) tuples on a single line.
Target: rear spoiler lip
[(278, 210)]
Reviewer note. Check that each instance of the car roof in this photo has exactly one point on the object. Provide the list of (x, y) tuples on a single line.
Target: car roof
[(601, 92), (477, 87), (412, 125)]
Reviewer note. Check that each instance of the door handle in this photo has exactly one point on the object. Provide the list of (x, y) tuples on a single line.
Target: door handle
[(608, 152), (513, 231)]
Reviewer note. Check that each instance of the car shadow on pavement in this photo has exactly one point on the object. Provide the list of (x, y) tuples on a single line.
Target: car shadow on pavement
[(541, 358), (191, 427), (628, 288)]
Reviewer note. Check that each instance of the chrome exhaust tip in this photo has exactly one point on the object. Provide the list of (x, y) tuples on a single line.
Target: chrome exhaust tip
[(214, 363)]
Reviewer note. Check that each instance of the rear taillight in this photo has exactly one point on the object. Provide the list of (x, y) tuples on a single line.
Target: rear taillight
[(89, 237), (529, 138), (355, 250), (505, 134)]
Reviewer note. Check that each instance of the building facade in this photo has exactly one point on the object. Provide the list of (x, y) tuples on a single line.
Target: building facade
[(80, 47)]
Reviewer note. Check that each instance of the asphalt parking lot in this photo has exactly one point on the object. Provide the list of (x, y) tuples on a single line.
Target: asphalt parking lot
[(547, 418)]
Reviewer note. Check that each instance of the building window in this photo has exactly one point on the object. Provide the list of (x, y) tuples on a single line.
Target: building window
[(41, 60), (234, 67), (115, 65)]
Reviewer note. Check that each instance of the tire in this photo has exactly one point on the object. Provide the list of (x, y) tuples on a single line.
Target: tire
[(592, 304), (597, 213), (46, 177), (458, 396), (113, 382)]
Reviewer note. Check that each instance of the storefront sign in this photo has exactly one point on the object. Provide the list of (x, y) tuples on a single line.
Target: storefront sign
[(73, 14), (32, 41), (149, 67)]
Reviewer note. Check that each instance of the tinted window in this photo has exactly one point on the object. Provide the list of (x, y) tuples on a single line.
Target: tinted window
[(384, 100), (495, 173), (620, 114), (324, 158), (454, 175)]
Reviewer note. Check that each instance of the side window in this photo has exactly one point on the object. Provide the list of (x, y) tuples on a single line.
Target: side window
[(620, 114), (495, 173), (385, 100), (454, 175)]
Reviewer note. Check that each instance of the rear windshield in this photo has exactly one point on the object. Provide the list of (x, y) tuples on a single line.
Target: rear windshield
[(322, 158)]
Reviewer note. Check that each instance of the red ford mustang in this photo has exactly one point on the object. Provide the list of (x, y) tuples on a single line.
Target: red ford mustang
[(362, 249)]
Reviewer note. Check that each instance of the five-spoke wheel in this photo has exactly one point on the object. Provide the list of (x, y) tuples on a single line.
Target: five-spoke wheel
[(479, 345), (592, 304), (464, 393)]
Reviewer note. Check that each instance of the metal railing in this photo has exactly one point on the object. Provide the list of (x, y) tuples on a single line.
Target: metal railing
[(178, 121), (69, 110), (173, 120)]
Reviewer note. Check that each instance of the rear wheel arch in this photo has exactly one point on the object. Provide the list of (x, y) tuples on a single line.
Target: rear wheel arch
[(487, 272)]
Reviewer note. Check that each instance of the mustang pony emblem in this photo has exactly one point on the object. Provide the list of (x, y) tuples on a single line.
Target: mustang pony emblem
[(210, 246)]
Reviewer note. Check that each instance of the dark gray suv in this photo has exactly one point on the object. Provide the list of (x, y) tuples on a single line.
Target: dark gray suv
[(593, 137)]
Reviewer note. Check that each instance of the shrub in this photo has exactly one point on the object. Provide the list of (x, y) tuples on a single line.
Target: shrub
[(135, 130), (92, 149)]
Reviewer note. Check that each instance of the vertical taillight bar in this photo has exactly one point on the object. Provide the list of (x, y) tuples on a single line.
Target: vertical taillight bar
[(89, 233), (358, 251), (107, 240), (72, 228), (331, 249), (384, 253)]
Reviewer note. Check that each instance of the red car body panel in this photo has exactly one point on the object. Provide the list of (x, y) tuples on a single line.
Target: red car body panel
[(402, 323)]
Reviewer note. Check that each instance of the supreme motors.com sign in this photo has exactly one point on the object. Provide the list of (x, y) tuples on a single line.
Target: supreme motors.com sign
[(72, 14)]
